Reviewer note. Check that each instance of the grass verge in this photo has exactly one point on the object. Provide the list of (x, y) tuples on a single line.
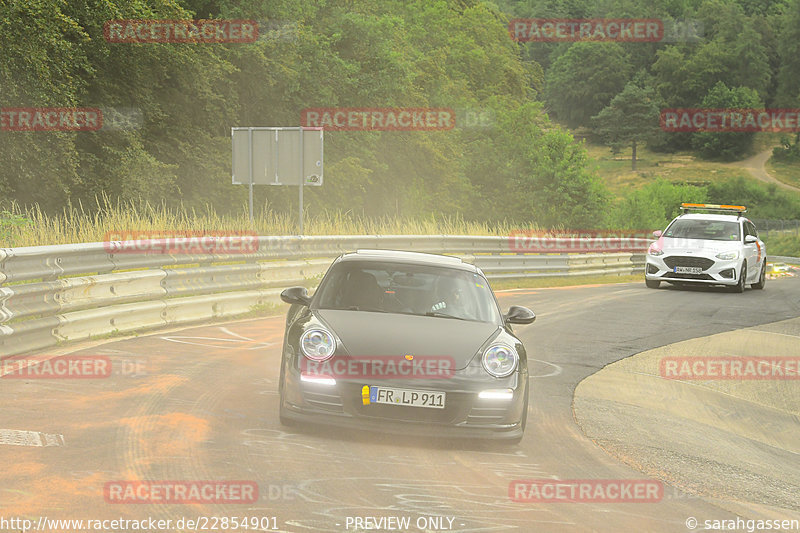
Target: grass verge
[(788, 173), (542, 283), (785, 245), (32, 227), (681, 167)]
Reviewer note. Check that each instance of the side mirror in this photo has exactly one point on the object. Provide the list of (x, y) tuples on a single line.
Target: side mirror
[(750, 239), (657, 234), (296, 295), (519, 315)]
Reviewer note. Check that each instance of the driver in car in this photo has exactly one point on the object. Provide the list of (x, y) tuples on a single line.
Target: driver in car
[(448, 296)]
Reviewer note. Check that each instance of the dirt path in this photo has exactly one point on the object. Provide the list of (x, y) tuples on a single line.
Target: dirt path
[(755, 165)]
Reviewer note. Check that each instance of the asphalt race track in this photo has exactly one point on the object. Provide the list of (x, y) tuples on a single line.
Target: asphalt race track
[(201, 404)]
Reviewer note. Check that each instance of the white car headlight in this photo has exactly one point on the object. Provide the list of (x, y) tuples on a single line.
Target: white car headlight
[(728, 255), (500, 360), (655, 251), (318, 344)]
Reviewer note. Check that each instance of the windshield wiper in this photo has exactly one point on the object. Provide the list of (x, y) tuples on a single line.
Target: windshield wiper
[(439, 314), (367, 309)]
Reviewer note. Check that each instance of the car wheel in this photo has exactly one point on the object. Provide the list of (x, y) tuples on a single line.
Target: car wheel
[(762, 279), (285, 421), (739, 287), (652, 283)]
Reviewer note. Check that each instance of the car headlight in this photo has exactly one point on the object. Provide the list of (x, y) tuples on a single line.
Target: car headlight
[(655, 251), (728, 255), (500, 360), (318, 344)]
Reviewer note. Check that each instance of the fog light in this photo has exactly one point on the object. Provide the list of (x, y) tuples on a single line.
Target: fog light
[(319, 379), (727, 273), (496, 394), (652, 269)]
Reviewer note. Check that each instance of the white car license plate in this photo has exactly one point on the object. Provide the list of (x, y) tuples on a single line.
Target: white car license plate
[(688, 270), (406, 397)]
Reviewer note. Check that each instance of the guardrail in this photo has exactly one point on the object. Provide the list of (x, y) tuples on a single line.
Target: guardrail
[(54, 294), (784, 259)]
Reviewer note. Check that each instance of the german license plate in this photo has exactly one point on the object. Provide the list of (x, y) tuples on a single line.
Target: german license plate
[(406, 397), (688, 270)]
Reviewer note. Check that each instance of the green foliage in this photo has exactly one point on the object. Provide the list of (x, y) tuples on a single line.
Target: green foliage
[(788, 91), (42, 63), (583, 81), (654, 205), (440, 53), (538, 173), (732, 52), (753, 44), (726, 145), (11, 224), (763, 200), (420, 53), (789, 150), (785, 245)]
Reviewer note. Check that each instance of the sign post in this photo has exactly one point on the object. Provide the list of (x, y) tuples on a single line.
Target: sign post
[(250, 171), (300, 188), (277, 156)]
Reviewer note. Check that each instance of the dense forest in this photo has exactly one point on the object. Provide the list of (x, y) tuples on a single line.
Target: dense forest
[(176, 103)]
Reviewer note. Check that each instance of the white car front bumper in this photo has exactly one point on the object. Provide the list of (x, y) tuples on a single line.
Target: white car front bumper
[(713, 271)]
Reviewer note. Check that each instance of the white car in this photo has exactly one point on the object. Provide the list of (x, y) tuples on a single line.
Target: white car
[(711, 249)]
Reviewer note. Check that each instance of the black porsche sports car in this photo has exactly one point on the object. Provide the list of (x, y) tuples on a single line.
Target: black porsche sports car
[(404, 342)]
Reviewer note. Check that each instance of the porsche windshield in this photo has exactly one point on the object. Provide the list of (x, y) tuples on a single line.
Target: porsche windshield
[(409, 289), (709, 230)]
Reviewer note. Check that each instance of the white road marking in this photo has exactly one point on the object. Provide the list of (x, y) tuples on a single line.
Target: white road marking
[(556, 369), (17, 437), (236, 342), (776, 333), (232, 334)]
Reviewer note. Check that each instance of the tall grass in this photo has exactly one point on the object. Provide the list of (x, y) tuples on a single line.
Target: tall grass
[(21, 226), (787, 245)]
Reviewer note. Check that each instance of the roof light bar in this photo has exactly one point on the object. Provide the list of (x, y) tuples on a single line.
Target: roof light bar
[(714, 207)]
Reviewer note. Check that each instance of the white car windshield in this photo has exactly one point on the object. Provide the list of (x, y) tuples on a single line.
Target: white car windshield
[(710, 230)]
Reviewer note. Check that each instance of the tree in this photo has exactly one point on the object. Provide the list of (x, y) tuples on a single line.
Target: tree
[(733, 52), (726, 145), (551, 183), (788, 150), (631, 118), (583, 81), (788, 93)]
